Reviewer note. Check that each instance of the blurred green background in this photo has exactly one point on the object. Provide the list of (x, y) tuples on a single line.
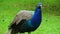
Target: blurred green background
[(50, 14)]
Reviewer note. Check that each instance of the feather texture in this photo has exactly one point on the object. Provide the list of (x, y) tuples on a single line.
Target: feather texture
[(27, 21), (22, 14)]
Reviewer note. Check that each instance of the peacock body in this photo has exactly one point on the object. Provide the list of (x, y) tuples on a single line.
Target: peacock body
[(26, 21)]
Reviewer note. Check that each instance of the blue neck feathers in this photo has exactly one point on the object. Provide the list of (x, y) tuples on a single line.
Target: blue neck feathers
[(36, 18)]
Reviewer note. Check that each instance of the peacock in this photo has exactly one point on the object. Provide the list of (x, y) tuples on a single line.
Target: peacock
[(26, 21)]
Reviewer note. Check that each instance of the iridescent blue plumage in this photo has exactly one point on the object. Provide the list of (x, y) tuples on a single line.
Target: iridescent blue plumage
[(36, 19), (33, 23), (27, 22)]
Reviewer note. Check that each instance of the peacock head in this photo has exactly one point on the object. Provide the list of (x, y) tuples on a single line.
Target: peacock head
[(39, 5)]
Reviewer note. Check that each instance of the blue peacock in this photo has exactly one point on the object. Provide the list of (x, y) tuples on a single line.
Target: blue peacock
[(26, 21)]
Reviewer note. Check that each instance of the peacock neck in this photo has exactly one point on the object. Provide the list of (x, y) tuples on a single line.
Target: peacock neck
[(36, 19)]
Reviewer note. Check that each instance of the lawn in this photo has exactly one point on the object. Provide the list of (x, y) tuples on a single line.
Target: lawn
[(50, 14)]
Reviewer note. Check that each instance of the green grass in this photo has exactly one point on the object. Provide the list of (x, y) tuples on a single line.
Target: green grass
[(50, 14)]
